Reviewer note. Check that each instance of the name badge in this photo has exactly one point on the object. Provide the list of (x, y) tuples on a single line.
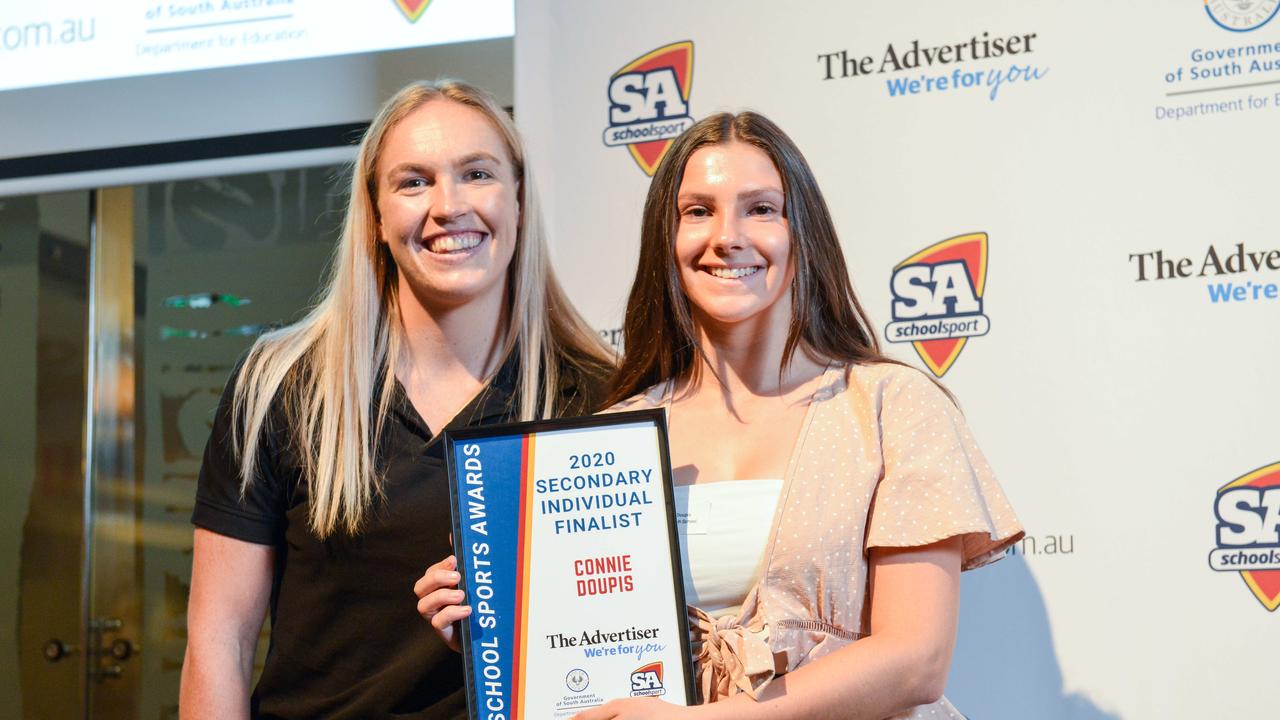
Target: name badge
[(693, 512)]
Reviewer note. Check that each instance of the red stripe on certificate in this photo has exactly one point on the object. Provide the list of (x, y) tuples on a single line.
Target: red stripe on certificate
[(523, 551)]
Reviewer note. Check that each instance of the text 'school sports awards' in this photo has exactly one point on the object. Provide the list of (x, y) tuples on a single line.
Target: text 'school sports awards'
[(565, 536)]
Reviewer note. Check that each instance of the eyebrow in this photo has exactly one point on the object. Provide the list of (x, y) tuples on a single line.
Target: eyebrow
[(477, 156), (405, 167), (749, 194), (413, 167)]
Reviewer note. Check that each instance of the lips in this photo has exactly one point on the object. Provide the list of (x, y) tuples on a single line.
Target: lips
[(454, 242), (732, 273)]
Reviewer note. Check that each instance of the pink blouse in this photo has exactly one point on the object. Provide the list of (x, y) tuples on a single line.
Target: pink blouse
[(883, 459)]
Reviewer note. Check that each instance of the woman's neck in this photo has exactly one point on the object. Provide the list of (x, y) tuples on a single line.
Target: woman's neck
[(748, 357), (446, 342)]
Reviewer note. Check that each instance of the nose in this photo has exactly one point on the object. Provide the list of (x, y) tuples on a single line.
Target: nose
[(728, 235), (448, 202)]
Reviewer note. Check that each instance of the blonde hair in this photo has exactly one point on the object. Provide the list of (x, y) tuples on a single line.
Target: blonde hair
[(325, 366)]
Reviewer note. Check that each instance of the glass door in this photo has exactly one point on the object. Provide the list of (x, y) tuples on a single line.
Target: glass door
[(219, 262), (122, 313), (44, 314)]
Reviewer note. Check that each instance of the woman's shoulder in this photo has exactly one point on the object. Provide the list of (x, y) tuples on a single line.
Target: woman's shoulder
[(248, 386), (647, 399), (890, 377), (583, 384), (891, 386)]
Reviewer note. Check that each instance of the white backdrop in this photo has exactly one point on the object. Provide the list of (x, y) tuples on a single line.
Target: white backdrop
[(1113, 407)]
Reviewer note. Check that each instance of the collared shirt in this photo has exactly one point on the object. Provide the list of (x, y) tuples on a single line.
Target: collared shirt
[(346, 637)]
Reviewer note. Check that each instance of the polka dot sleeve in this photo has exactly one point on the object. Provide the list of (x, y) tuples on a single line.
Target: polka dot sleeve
[(936, 482)]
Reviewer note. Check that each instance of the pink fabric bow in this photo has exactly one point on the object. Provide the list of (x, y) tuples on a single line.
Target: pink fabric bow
[(730, 658)]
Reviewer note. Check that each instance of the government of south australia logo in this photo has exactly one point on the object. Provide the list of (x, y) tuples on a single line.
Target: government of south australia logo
[(649, 103), (647, 680), (412, 9), (937, 299), (577, 680), (1241, 15), (1248, 532)]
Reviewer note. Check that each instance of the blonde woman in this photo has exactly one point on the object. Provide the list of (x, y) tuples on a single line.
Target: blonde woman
[(322, 494)]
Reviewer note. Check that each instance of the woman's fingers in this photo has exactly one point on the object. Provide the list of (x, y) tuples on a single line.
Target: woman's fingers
[(440, 600), (602, 712), (443, 574), (444, 620), (435, 602)]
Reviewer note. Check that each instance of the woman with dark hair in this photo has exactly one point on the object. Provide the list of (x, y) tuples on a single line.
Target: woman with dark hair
[(829, 496)]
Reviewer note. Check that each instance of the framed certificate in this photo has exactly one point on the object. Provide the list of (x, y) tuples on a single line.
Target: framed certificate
[(565, 536)]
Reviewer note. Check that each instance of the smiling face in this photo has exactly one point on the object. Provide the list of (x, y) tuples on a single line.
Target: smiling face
[(448, 208), (733, 246)]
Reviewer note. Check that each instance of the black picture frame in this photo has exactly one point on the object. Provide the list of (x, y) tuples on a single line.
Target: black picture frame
[(657, 417)]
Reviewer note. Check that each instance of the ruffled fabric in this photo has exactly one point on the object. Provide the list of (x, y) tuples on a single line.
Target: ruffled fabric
[(730, 658), (937, 484)]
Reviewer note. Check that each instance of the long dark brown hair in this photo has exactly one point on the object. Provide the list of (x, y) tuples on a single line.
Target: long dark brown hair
[(827, 319)]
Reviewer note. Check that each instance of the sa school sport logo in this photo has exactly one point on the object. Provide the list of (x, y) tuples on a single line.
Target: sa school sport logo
[(412, 9), (649, 103), (646, 681), (1241, 15), (937, 299), (1248, 532)]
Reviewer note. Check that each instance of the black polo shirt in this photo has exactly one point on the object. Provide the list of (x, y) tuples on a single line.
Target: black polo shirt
[(346, 637)]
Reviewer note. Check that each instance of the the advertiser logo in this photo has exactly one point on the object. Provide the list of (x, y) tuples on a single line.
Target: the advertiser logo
[(1223, 267), (955, 65), (646, 681), (1241, 15), (937, 299), (412, 9), (649, 103), (1248, 532)]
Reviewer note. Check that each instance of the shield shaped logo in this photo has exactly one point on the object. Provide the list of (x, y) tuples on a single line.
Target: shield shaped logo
[(1248, 532), (938, 299), (649, 103), (412, 9), (1241, 15), (646, 681)]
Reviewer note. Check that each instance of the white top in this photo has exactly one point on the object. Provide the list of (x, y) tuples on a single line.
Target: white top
[(723, 529)]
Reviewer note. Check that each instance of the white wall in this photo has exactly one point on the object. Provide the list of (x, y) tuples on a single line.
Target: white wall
[(1113, 408)]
